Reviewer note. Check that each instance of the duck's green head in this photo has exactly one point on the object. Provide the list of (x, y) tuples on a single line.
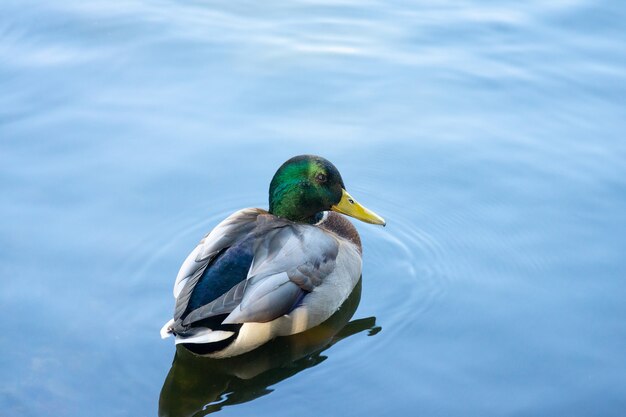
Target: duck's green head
[(306, 185)]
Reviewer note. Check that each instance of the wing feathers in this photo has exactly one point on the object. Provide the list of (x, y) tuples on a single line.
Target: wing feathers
[(222, 305), (289, 261), (234, 227), (270, 298)]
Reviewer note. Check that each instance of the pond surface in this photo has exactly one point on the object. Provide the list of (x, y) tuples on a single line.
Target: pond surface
[(490, 135)]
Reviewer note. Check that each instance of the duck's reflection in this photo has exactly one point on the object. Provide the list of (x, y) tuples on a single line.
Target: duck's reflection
[(196, 383)]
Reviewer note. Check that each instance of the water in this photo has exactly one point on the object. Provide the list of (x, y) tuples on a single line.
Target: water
[(488, 134)]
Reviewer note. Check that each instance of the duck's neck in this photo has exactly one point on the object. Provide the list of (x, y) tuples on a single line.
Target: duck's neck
[(292, 213), (286, 203)]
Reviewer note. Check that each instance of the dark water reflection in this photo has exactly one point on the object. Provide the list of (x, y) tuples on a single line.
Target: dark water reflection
[(197, 385)]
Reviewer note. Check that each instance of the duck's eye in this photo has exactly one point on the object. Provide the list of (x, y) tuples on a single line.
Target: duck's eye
[(320, 177)]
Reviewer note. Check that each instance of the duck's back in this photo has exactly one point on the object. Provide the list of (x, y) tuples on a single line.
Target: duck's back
[(254, 268)]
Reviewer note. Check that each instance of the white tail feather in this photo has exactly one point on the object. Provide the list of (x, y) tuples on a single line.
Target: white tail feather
[(166, 330), (205, 336)]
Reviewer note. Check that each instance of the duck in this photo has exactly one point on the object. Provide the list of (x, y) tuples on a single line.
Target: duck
[(262, 274)]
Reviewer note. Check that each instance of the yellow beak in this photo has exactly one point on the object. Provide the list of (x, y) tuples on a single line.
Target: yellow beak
[(350, 207)]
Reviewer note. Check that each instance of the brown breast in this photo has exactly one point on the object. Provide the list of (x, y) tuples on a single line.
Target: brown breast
[(338, 224)]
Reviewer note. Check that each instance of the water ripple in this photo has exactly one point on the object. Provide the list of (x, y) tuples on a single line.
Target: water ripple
[(406, 271)]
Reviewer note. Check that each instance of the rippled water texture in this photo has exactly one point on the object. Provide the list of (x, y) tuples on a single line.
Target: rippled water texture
[(490, 135)]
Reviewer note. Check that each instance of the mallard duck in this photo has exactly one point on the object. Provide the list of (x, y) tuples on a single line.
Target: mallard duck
[(261, 274)]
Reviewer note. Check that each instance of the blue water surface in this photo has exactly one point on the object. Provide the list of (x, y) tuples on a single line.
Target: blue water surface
[(489, 134)]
